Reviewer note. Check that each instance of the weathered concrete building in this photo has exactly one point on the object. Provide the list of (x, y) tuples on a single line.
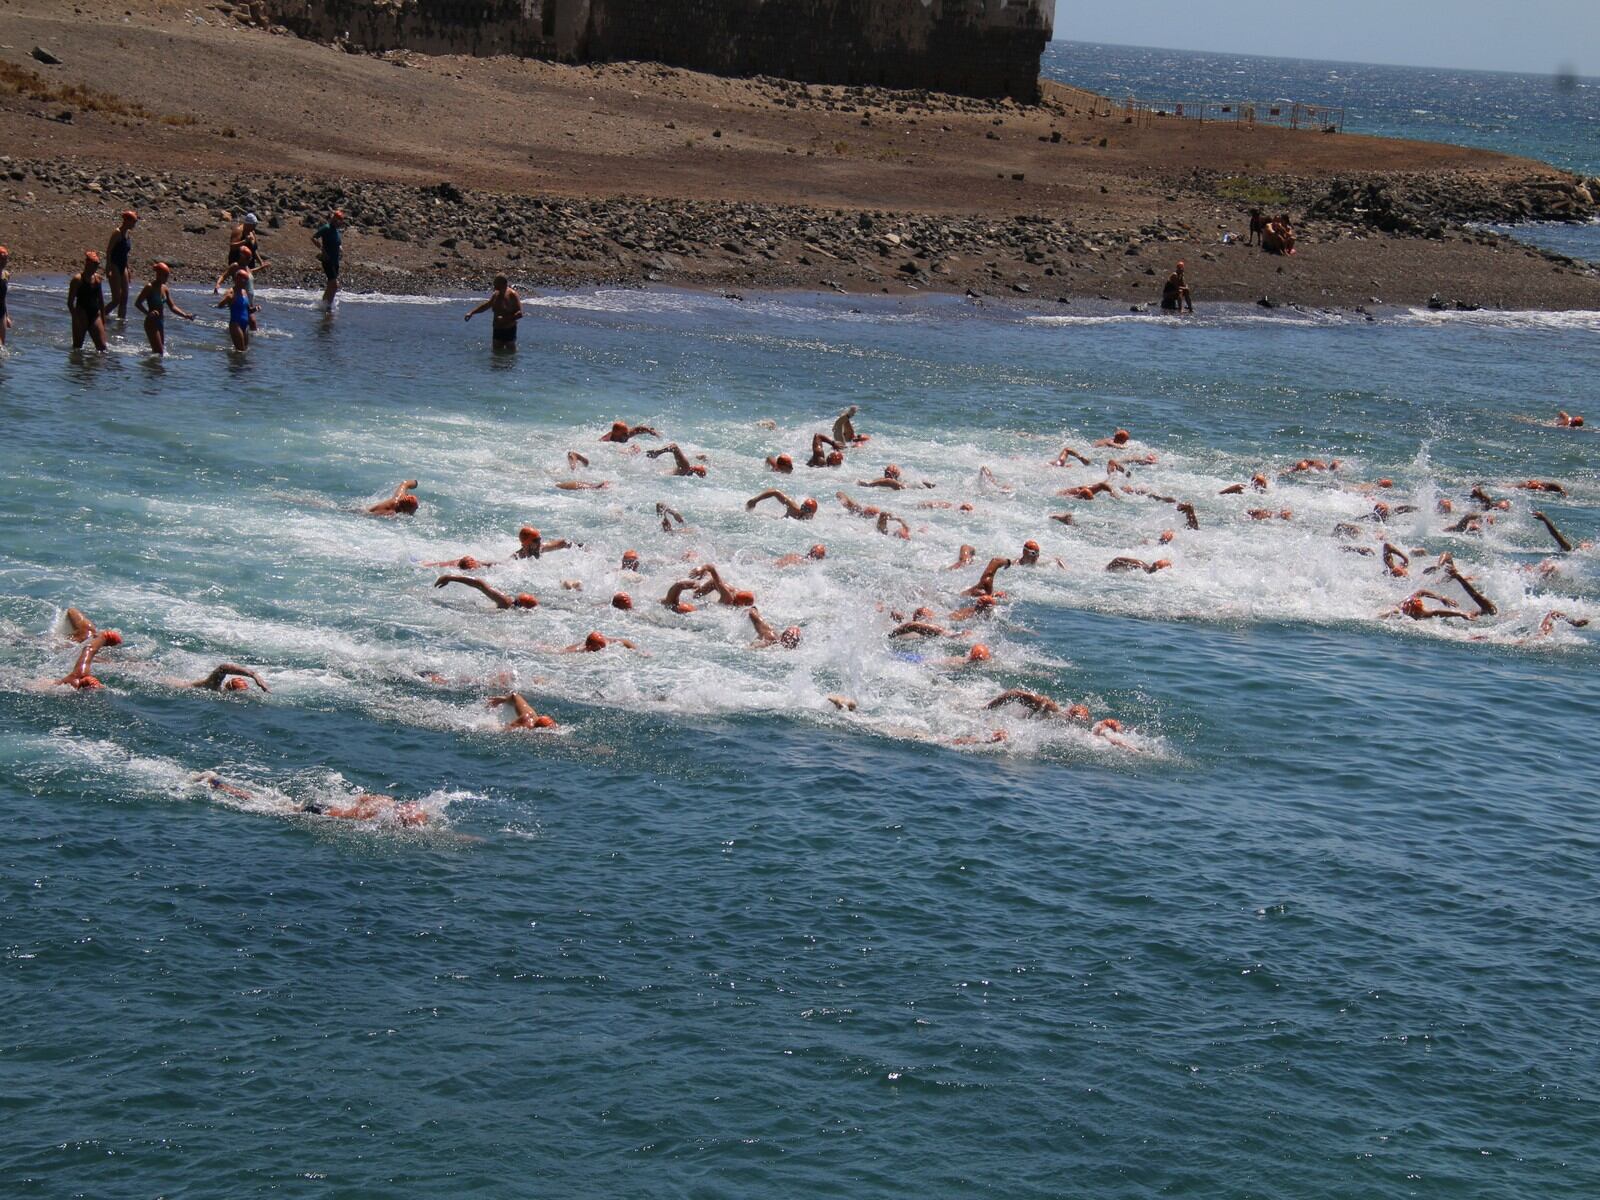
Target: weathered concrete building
[(973, 47)]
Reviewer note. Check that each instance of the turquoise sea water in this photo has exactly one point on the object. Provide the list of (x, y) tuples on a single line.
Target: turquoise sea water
[(1325, 927)]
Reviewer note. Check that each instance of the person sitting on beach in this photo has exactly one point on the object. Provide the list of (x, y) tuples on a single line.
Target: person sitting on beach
[(507, 308), (817, 553), (684, 466), (985, 584), (1175, 292), (832, 457), (82, 674), (844, 432), (782, 464), (154, 300), (766, 636), (1124, 564), (228, 677), (1278, 237), (1564, 420), (523, 716), (802, 511), (621, 431), (86, 301), (501, 599), (402, 503), (597, 642)]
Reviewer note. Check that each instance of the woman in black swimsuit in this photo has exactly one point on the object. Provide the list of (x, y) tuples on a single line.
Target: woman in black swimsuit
[(118, 250), (86, 301)]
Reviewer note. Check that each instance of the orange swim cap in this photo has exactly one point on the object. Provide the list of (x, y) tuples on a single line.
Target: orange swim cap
[(808, 504), (630, 556), (891, 472), (986, 601), (91, 256), (595, 641), (622, 600), (744, 599), (407, 503), (86, 683), (979, 653), (529, 532), (4, 253), (817, 551), (543, 722), (161, 268), (112, 637), (698, 471), (235, 684), (783, 460), (467, 563), (790, 637), (525, 600), (683, 607), (835, 458), (338, 212), (129, 215), (1386, 483), (1030, 544), (1120, 436)]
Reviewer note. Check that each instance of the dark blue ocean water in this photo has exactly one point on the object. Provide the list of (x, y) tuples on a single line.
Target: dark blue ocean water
[(1325, 927), (1551, 119)]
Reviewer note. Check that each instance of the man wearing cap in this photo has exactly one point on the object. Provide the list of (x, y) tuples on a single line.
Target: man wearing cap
[(1175, 293), (86, 301), (243, 249), (329, 238), (118, 250)]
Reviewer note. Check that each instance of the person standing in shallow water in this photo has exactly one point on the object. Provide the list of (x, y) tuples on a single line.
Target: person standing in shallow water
[(86, 301), (118, 251), (240, 313), (5, 286), (329, 238), (154, 301), (507, 308)]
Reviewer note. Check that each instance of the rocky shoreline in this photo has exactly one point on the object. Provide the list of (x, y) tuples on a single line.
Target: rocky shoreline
[(428, 238)]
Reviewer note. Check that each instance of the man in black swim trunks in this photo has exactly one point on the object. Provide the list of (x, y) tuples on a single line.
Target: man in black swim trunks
[(1175, 292), (329, 238), (86, 301), (507, 308)]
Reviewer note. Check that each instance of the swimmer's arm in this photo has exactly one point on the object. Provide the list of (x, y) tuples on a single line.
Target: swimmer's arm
[(141, 301), (173, 305), (500, 598), (72, 292), (213, 682), (485, 307)]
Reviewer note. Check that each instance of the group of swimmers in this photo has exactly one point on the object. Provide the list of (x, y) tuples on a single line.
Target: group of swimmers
[(89, 305)]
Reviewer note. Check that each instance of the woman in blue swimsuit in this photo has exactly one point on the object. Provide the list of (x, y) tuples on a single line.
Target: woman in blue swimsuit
[(237, 301), (117, 252), (153, 302)]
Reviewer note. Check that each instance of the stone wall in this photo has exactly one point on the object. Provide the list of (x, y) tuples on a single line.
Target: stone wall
[(972, 47)]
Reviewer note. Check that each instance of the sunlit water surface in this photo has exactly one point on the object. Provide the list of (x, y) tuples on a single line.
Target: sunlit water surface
[(1323, 926)]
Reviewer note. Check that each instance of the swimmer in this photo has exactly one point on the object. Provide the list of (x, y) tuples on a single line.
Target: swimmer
[(622, 602), (668, 516), (816, 554), (803, 511), (1396, 561), (402, 503), (523, 716), (86, 301), (5, 286), (1123, 564), (465, 563), (576, 460), (920, 628), (369, 806), (229, 677), (1488, 501), (684, 467), (711, 581), (1486, 607), (832, 457), (1258, 482), (782, 464), (79, 627), (976, 657), (82, 674), (1189, 516), (154, 301), (597, 642), (1087, 492), (844, 431), (507, 308), (241, 311), (981, 606), (1561, 538), (1547, 626), (630, 561), (217, 784), (964, 557), (1119, 438), (842, 703), (1540, 485), (857, 510), (904, 532), (531, 543), (985, 584), (674, 597), (501, 599), (889, 479), (1412, 606), (118, 250), (1311, 464), (1030, 554), (767, 637), (1068, 452), (1039, 705), (988, 483), (1266, 514), (1565, 420), (1065, 518), (583, 485), (621, 431)]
